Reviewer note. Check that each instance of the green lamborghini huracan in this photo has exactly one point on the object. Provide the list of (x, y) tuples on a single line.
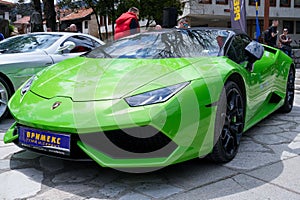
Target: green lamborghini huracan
[(153, 99)]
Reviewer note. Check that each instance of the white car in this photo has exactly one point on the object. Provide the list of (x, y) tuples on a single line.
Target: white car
[(24, 55)]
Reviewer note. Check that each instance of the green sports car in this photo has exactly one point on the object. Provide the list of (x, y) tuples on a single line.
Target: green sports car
[(153, 99)]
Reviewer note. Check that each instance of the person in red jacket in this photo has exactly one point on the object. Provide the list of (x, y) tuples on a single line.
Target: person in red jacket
[(127, 23)]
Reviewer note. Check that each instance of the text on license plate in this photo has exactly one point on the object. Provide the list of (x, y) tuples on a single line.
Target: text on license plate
[(44, 140)]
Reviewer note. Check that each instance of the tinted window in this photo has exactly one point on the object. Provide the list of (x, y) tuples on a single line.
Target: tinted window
[(82, 44), (236, 50), (169, 44), (27, 43)]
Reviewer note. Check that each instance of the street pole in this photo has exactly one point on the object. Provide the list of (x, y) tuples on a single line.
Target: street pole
[(266, 14)]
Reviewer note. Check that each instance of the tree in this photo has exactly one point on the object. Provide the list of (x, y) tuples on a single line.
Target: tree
[(153, 9), (36, 17), (50, 15)]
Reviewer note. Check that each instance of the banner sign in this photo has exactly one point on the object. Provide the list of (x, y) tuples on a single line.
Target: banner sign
[(238, 14)]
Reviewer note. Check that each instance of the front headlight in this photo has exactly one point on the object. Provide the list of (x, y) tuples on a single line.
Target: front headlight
[(27, 85), (155, 96)]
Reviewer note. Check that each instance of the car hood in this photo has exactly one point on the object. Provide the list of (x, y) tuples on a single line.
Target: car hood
[(86, 79)]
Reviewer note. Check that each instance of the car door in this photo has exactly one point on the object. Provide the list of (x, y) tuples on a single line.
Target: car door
[(82, 45), (258, 79)]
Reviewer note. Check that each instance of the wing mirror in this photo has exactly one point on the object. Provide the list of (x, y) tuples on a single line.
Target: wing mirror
[(69, 45), (255, 51)]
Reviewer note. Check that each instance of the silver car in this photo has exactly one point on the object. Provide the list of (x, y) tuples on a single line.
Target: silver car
[(24, 55)]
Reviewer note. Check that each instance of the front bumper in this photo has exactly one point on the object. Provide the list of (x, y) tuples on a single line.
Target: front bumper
[(167, 133)]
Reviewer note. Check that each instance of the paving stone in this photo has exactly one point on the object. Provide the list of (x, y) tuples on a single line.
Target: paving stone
[(111, 190), (2, 144), (248, 145), (141, 178), (7, 151), (240, 187), (4, 164), (134, 196), (252, 160), (158, 190), (105, 176), (70, 191), (264, 130), (195, 174), (51, 164), (285, 174), (75, 176), (26, 155), (271, 139), (291, 135), (20, 183)]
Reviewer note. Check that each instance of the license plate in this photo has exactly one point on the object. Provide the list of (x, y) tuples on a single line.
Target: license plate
[(44, 140)]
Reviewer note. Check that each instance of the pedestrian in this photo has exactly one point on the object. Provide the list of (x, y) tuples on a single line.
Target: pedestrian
[(157, 27), (127, 23), (1, 37), (273, 32), (73, 28), (183, 23), (285, 42)]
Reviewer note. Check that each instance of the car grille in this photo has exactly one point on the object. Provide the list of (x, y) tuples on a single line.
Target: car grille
[(139, 142)]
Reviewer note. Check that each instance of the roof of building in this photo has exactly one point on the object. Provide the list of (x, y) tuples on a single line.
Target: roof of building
[(23, 20), (77, 14), (6, 3)]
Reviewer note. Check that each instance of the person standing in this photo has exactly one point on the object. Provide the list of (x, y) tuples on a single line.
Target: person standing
[(183, 23), (127, 23), (1, 37), (273, 32), (285, 42)]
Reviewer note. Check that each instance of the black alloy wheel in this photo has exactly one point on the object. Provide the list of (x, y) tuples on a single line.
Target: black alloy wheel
[(290, 93), (230, 119)]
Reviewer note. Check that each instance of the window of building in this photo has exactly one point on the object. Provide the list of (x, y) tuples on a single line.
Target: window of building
[(205, 1), (297, 27), (297, 4), (86, 24), (273, 3), (224, 2), (285, 3), (289, 25), (252, 2)]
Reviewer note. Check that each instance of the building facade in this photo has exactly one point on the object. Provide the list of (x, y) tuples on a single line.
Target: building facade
[(215, 13)]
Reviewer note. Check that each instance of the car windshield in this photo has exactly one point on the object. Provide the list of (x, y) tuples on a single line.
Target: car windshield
[(166, 44), (27, 43)]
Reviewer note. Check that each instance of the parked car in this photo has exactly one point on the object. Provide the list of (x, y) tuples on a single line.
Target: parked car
[(23, 55), (154, 99)]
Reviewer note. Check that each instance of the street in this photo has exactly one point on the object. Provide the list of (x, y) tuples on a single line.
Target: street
[(266, 167)]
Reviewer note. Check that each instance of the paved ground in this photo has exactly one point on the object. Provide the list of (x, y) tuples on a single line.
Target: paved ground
[(266, 167)]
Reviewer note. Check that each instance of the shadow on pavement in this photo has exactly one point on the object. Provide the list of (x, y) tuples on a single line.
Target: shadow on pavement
[(259, 161)]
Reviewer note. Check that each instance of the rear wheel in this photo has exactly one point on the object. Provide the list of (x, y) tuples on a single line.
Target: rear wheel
[(5, 94), (229, 123), (290, 93)]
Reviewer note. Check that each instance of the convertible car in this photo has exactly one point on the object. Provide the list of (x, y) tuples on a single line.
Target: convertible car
[(153, 99), (24, 55)]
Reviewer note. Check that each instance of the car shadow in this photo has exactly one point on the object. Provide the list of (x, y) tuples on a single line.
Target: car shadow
[(263, 152)]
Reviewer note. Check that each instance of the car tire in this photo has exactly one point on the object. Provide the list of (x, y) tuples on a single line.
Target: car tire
[(5, 94), (229, 124), (290, 93)]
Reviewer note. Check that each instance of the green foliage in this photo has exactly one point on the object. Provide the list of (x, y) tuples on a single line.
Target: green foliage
[(11, 28)]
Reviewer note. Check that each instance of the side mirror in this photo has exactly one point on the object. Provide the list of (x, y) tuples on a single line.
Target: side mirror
[(255, 50), (67, 45)]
